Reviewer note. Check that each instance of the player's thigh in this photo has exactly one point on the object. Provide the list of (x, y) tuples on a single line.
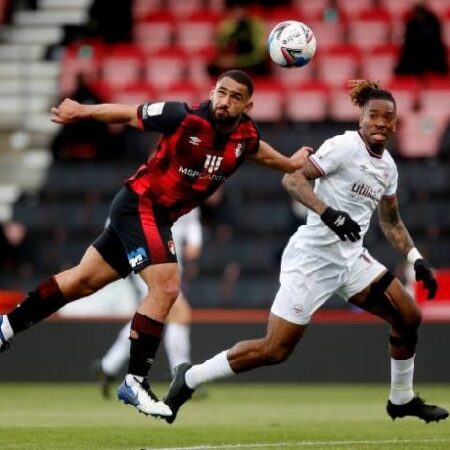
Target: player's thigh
[(307, 281), (181, 311), (162, 280), (91, 274)]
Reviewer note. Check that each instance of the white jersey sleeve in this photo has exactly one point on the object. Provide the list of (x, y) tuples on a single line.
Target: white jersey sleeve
[(391, 189), (329, 157)]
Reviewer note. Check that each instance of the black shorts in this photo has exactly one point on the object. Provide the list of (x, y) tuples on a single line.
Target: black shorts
[(138, 234)]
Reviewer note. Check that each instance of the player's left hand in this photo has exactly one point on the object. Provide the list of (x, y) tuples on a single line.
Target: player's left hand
[(66, 112), (424, 273), (300, 157)]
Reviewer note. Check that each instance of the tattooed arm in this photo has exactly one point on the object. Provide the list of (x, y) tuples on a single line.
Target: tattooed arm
[(298, 185), (393, 227)]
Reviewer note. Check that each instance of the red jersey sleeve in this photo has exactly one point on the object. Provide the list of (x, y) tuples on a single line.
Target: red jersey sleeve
[(163, 117)]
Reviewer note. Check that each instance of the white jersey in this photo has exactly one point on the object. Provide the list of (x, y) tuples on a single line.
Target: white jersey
[(187, 230), (353, 180)]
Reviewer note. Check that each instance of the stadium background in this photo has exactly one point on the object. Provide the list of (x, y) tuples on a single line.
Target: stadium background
[(61, 200)]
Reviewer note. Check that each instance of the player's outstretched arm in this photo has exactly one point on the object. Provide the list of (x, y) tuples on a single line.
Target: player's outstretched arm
[(398, 236), (298, 186), (269, 157), (70, 111)]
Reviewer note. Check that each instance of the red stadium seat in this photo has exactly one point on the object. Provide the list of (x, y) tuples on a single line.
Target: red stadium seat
[(353, 8), (122, 65), (142, 8), (404, 90), (133, 94), (154, 34), (434, 97), (371, 29), (440, 7), (307, 102), (291, 77), (311, 9), (183, 8), (166, 67), (340, 106), (379, 64), (419, 135), (267, 101), (197, 32), (397, 8), (328, 34), (337, 65), (182, 92)]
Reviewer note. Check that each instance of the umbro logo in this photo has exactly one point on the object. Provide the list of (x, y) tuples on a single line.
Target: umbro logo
[(339, 221), (194, 140), (364, 167)]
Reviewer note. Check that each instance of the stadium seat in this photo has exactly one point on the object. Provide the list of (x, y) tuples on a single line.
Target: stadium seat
[(184, 8), (267, 102), (340, 106), (440, 7), (181, 92), (142, 8), (197, 32), (328, 34), (122, 65), (289, 77), (369, 31), (404, 90), (419, 135), (379, 63), (133, 94), (397, 8), (165, 67), (311, 9), (353, 8), (337, 65), (434, 97), (154, 33), (307, 102)]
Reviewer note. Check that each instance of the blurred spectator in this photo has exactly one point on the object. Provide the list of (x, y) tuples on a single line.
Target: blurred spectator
[(423, 50), (111, 20), (240, 43), (87, 139), (16, 249)]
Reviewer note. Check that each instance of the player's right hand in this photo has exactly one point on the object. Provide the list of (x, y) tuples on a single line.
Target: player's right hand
[(342, 224), (66, 112), (424, 273), (300, 157)]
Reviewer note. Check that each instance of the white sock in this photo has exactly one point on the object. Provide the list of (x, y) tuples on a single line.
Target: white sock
[(118, 353), (402, 373), (177, 344), (6, 329), (212, 369)]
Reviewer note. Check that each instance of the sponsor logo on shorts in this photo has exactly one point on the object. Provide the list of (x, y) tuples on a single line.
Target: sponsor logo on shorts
[(137, 257)]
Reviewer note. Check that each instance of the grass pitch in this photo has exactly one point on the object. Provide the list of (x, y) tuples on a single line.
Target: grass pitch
[(233, 416)]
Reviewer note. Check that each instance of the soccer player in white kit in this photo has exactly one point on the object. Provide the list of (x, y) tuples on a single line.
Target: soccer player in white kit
[(187, 236), (354, 175)]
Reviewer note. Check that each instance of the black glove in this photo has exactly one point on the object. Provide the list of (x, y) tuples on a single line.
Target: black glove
[(426, 276), (341, 223)]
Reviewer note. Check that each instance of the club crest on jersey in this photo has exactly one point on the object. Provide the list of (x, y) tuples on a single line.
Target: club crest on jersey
[(239, 149), (171, 247), (194, 140)]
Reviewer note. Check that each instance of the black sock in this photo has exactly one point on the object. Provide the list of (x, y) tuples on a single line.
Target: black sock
[(41, 303), (143, 348)]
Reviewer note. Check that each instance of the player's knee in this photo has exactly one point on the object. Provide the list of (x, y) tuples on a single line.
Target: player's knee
[(275, 354), (412, 319)]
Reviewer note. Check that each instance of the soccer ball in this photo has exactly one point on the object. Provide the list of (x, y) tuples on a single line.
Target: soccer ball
[(291, 44)]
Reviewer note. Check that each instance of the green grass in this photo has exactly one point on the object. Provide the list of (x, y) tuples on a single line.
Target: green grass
[(267, 416)]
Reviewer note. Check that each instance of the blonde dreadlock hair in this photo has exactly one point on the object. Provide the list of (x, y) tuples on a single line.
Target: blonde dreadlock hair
[(361, 91)]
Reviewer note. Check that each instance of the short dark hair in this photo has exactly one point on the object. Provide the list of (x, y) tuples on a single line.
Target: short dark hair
[(362, 91), (240, 77)]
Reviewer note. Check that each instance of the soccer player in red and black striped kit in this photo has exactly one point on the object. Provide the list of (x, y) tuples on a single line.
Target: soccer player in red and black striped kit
[(199, 149)]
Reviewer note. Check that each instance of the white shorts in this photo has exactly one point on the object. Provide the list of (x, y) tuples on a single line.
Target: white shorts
[(307, 281)]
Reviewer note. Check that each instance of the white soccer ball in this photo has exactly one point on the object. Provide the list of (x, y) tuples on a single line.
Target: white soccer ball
[(291, 44)]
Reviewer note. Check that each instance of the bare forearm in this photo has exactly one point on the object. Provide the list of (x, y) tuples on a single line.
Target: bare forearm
[(108, 112), (300, 189), (398, 236)]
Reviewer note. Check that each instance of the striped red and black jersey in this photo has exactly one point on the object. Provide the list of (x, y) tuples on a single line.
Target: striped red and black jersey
[(192, 158)]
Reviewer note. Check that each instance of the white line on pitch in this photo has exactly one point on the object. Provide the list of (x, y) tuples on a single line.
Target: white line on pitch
[(302, 444)]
